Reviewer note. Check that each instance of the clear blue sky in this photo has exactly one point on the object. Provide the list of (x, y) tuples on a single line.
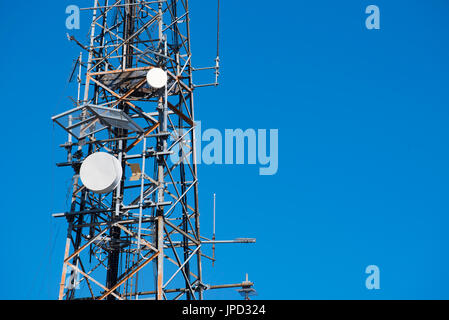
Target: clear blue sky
[(363, 146)]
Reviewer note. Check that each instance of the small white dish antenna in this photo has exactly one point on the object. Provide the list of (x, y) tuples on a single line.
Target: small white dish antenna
[(157, 78), (101, 172)]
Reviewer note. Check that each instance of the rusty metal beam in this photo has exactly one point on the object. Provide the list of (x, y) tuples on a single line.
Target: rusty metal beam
[(111, 291)]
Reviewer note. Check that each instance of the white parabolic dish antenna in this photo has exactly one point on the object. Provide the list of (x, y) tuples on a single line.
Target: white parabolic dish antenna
[(101, 172), (157, 78)]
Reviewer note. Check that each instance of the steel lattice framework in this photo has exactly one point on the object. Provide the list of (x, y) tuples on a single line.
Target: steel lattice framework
[(152, 217)]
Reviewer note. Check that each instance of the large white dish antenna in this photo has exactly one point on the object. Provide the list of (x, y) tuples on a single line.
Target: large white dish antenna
[(157, 78), (101, 172)]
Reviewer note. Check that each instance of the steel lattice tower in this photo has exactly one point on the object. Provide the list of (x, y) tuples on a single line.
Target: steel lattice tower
[(142, 239)]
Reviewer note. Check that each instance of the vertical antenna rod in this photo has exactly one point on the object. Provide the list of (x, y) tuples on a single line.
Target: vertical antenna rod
[(217, 59), (213, 236)]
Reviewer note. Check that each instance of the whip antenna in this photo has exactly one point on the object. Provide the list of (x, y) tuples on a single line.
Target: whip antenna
[(217, 59)]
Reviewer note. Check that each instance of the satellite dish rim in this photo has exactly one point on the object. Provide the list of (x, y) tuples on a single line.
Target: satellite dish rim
[(101, 172)]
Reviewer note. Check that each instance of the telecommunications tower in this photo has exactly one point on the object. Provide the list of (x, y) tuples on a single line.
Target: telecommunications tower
[(134, 222)]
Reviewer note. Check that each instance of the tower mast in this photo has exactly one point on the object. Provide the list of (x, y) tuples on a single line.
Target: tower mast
[(151, 217)]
